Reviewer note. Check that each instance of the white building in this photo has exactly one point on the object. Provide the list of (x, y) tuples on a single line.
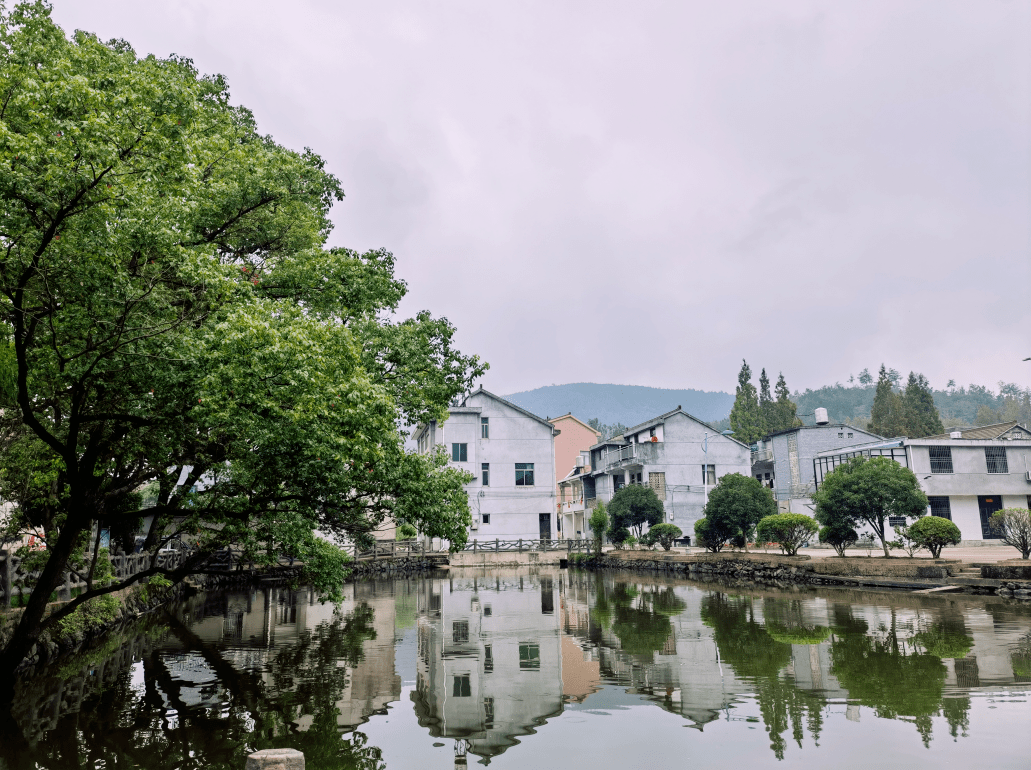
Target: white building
[(967, 475), (676, 454), (511, 453)]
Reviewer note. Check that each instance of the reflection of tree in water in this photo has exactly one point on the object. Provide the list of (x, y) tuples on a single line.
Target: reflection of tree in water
[(744, 643), (786, 622), (122, 727), (639, 619), (899, 679)]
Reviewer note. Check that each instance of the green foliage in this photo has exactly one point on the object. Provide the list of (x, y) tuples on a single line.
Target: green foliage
[(171, 304), (921, 415), (789, 530), (608, 431), (904, 541), (406, 532), (745, 417), (839, 537), (633, 507), (736, 504), (622, 539), (807, 635), (598, 522), (155, 583), (665, 534), (944, 641), (91, 616), (639, 619), (784, 409), (1014, 527), (886, 414), (934, 533), (868, 491)]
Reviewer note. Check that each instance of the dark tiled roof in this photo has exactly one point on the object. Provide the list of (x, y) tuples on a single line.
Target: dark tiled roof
[(986, 432)]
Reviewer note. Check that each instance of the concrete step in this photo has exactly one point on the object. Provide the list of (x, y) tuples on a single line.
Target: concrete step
[(978, 582)]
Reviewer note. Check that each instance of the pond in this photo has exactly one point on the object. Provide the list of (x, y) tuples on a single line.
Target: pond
[(544, 669)]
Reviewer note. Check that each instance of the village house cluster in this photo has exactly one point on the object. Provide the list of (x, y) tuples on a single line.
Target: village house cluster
[(539, 477)]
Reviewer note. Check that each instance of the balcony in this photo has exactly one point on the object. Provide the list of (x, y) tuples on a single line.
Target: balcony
[(631, 454)]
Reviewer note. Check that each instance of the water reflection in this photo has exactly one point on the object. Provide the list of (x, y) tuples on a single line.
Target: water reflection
[(482, 661)]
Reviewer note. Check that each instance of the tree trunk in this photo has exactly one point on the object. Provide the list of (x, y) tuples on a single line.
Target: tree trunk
[(884, 545), (27, 632)]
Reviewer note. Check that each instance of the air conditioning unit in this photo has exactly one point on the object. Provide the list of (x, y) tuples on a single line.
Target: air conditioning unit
[(1027, 476), (476, 522)]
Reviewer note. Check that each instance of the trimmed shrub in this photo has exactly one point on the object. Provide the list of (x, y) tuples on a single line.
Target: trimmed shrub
[(1014, 525), (933, 533), (789, 530), (839, 537), (665, 534)]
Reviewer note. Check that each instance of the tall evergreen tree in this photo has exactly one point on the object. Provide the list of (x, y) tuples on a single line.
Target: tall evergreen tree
[(745, 418), (786, 410), (886, 414), (767, 406), (920, 414)]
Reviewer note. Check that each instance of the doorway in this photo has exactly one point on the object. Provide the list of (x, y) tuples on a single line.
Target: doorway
[(988, 505), (545, 525)]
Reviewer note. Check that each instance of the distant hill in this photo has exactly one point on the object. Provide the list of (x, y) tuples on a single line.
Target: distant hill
[(627, 404)]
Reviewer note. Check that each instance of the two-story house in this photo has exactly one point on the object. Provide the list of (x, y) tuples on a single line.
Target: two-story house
[(967, 474), (676, 454), (511, 454)]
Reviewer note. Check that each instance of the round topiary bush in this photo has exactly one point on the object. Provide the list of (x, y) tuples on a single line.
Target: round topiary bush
[(934, 533), (839, 537), (788, 530), (665, 534)]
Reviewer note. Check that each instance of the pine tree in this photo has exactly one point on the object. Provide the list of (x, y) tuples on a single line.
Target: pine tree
[(745, 417), (767, 406), (920, 414), (785, 409), (886, 415)]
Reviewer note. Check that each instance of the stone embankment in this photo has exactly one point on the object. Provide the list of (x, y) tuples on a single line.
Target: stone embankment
[(773, 569), (397, 567)]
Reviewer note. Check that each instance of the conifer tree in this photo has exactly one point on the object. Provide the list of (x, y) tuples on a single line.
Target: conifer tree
[(886, 414), (920, 414), (767, 406), (745, 418), (785, 409)]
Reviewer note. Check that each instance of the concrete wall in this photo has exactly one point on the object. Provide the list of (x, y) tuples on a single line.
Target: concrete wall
[(812, 439), (573, 439), (514, 438)]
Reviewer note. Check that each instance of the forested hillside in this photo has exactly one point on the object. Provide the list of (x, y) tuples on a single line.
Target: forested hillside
[(621, 404), (971, 405)]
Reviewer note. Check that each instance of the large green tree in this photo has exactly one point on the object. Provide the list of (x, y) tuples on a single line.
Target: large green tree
[(633, 507), (174, 320), (767, 406), (886, 414), (785, 410), (735, 506), (919, 412), (745, 417), (869, 490)]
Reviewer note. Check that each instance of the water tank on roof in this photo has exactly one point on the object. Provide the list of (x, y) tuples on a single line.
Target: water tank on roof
[(821, 416)]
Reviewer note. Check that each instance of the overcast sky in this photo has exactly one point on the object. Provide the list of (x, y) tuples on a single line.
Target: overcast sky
[(648, 192)]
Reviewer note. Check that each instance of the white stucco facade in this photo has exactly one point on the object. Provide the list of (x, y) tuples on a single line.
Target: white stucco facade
[(511, 454)]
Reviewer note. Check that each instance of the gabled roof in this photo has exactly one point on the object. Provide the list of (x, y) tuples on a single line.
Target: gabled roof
[(986, 432), (662, 418), (846, 426), (519, 409), (570, 416)]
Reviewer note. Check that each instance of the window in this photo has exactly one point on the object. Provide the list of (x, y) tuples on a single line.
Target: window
[(896, 521), (460, 453), (524, 474), (851, 435), (529, 656), (709, 474), (485, 474), (841, 435), (941, 459), (996, 458), (487, 610), (488, 658), (484, 427), (463, 687), (488, 713), (485, 518), (460, 631), (941, 507), (657, 481)]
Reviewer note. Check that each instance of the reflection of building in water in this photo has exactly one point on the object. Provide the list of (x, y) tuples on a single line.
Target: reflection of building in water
[(490, 658)]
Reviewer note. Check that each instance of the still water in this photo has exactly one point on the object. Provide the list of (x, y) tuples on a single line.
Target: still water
[(544, 669)]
